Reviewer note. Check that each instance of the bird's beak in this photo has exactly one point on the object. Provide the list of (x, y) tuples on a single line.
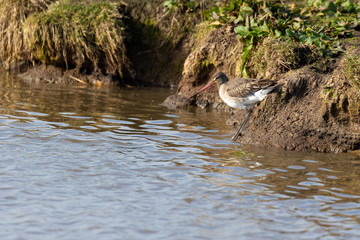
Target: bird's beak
[(206, 86)]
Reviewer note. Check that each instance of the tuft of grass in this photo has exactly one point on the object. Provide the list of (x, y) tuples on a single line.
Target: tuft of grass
[(78, 35), (278, 56), (329, 91), (202, 30), (13, 14), (352, 69)]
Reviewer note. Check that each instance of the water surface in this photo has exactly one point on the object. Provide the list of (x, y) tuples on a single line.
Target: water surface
[(89, 163)]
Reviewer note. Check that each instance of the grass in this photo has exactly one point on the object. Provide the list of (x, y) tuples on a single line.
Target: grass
[(352, 69), (76, 35), (13, 14), (278, 56), (201, 31), (88, 36)]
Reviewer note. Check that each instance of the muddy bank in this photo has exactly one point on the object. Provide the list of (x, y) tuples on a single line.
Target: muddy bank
[(317, 108), (56, 75)]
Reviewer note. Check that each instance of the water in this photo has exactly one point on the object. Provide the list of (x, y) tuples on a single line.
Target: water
[(88, 163)]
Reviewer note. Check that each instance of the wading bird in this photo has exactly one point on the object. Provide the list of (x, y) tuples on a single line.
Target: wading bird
[(240, 93)]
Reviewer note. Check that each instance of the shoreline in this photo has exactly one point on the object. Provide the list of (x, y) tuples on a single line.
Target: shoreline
[(139, 43)]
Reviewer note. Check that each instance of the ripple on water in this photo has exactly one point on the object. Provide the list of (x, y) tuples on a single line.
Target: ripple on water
[(123, 167), (117, 121), (311, 184), (296, 167)]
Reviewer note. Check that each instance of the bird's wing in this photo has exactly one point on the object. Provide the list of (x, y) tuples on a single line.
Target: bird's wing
[(241, 87)]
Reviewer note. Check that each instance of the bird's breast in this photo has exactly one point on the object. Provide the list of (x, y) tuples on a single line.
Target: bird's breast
[(234, 102)]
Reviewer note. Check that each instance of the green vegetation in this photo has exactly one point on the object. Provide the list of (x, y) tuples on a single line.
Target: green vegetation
[(185, 6), (329, 91), (317, 24)]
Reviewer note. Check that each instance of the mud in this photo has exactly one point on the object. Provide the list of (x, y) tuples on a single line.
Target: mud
[(56, 75), (316, 108)]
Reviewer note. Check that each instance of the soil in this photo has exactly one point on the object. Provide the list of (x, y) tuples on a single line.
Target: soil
[(316, 108), (56, 75)]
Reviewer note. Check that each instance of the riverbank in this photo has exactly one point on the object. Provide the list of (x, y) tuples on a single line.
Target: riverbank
[(96, 42), (312, 50), (314, 110)]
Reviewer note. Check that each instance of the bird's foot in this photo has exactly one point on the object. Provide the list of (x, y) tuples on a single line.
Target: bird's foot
[(235, 137)]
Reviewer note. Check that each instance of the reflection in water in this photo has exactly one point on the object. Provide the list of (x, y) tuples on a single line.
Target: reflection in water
[(114, 164)]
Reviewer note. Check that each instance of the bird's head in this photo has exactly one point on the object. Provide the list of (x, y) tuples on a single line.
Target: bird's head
[(220, 78)]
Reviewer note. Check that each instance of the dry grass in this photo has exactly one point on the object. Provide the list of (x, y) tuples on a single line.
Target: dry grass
[(351, 65), (76, 35), (88, 36), (274, 57), (13, 14)]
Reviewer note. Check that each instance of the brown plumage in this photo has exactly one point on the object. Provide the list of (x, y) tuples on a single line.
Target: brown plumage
[(245, 86)]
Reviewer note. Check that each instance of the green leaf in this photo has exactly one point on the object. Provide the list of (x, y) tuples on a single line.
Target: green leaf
[(296, 25), (231, 19), (265, 27), (330, 8), (246, 10), (288, 32), (245, 52), (253, 23), (168, 4), (347, 6), (278, 33), (245, 73), (239, 19), (315, 3), (259, 31), (243, 31), (310, 2), (247, 21), (232, 6)]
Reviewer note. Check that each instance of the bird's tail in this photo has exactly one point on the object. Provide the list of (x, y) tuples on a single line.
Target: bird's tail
[(266, 83)]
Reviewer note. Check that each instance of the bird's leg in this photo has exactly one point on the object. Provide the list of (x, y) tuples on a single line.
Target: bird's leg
[(237, 134)]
